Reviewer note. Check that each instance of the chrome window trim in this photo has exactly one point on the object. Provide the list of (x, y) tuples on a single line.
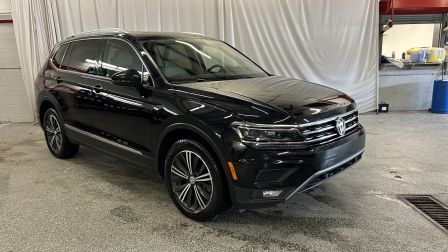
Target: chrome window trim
[(86, 75), (55, 52), (152, 84)]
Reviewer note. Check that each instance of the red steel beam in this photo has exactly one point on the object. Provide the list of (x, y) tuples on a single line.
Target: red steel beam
[(412, 7)]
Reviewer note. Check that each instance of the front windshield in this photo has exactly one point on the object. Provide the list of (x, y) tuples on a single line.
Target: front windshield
[(199, 59)]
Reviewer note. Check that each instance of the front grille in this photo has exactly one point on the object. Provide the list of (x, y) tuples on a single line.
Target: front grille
[(325, 130)]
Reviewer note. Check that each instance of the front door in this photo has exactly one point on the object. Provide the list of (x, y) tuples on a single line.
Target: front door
[(126, 113)]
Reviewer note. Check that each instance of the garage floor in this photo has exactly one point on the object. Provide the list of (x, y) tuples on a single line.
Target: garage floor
[(97, 202)]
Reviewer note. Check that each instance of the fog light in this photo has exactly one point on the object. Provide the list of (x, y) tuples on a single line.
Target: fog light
[(271, 193)]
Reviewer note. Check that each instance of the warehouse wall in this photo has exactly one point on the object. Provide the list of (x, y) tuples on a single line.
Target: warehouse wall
[(14, 105)]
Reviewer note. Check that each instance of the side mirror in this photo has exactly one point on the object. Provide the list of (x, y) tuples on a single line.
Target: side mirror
[(130, 78)]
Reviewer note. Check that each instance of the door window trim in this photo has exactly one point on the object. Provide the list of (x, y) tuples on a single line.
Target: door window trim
[(100, 61), (56, 51), (151, 84)]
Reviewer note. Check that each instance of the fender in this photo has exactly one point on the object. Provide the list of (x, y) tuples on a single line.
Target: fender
[(210, 138)]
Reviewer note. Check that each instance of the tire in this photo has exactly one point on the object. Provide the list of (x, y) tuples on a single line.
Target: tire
[(205, 196), (57, 141)]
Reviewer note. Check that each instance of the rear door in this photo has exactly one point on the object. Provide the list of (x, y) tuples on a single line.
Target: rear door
[(77, 77)]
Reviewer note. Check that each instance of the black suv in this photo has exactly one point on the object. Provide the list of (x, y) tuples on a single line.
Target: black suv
[(219, 128)]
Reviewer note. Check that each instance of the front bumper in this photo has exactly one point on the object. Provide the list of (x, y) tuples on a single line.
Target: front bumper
[(291, 171)]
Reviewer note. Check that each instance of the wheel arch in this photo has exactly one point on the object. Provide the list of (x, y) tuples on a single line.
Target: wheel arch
[(178, 131), (45, 102)]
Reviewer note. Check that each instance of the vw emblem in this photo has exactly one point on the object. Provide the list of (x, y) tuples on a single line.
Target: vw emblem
[(340, 126)]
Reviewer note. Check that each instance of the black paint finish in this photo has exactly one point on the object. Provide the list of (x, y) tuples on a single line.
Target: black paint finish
[(133, 122)]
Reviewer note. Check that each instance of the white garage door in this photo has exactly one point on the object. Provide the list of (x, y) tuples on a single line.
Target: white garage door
[(13, 100)]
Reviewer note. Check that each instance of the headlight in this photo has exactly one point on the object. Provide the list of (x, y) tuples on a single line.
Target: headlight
[(267, 136)]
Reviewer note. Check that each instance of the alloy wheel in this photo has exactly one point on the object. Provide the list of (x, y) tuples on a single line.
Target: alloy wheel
[(191, 181), (54, 134)]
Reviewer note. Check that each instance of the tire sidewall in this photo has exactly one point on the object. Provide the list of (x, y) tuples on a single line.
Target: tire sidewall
[(217, 200), (58, 153)]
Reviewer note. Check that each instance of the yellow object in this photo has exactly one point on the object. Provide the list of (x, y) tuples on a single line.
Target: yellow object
[(427, 54), (436, 55)]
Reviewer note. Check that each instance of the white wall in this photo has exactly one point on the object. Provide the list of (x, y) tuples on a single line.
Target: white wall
[(400, 38), (14, 105), (5, 6), (321, 41)]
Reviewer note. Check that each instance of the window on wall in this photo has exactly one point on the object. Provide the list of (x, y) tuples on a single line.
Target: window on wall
[(119, 56), (402, 37), (84, 56)]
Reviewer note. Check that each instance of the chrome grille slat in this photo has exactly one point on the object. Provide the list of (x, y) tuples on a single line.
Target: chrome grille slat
[(321, 138), (317, 131), (325, 130), (351, 119), (351, 127)]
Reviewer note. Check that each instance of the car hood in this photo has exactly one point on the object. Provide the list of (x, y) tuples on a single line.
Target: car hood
[(273, 99)]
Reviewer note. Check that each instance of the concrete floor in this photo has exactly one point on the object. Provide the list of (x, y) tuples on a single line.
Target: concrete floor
[(95, 202)]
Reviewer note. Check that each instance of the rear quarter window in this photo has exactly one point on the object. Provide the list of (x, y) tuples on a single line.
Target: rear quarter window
[(59, 55)]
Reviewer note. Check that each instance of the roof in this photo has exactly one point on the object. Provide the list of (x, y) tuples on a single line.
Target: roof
[(137, 34)]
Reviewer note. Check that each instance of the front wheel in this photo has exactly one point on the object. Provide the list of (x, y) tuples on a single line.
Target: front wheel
[(194, 180)]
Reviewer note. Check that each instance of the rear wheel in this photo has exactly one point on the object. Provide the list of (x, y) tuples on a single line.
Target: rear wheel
[(57, 141), (194, 180)]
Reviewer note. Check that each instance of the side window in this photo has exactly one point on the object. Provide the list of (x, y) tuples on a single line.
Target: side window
[(59, 55), (84, 56), (119, 56), (64, 64)]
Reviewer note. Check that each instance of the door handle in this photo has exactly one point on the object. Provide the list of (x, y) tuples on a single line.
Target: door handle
[(58, 79), (97, 88)]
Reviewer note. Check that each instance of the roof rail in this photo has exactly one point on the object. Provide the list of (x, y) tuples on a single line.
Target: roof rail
[(194, 33), (106, 30)]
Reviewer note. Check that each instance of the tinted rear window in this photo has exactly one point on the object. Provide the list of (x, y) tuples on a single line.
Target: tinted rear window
[(57, 59), (84, 56)]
